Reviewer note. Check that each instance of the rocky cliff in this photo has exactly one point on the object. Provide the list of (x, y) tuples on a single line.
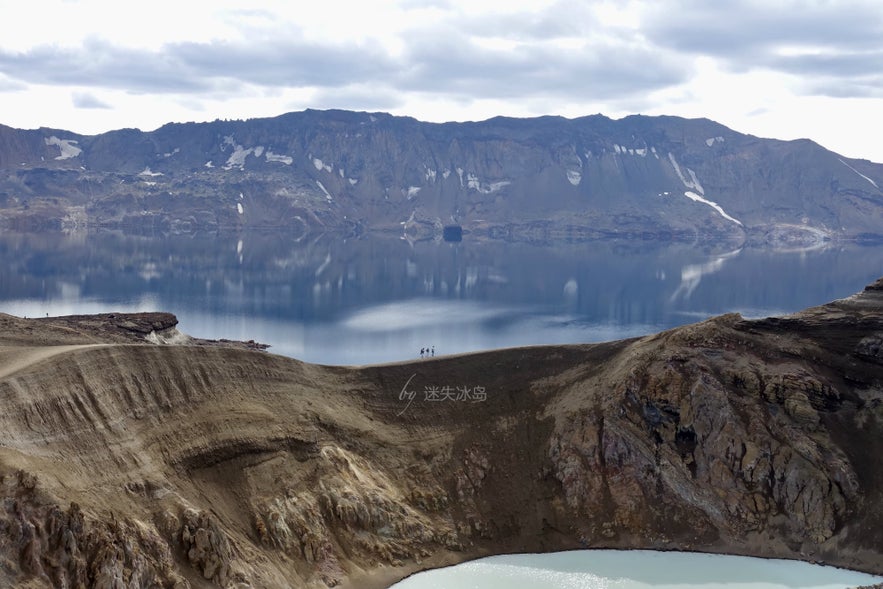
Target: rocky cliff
[(517, 179), (129, 462)]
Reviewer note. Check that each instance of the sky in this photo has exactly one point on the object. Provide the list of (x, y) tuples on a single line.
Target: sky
[(773, 68)]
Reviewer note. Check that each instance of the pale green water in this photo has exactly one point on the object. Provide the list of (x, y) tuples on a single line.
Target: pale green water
[(635, 569)]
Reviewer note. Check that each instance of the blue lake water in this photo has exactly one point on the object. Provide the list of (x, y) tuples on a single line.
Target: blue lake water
[(639, 569), (331, 300)]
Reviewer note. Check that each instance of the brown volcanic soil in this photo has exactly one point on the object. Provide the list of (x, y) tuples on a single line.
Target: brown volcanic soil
[(126, 463)]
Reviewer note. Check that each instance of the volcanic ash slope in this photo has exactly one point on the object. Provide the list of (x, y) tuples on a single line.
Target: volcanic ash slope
[(126, 463)]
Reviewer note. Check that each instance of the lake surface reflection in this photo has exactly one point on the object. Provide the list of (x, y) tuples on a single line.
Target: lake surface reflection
[(639, 569), (353, 301)]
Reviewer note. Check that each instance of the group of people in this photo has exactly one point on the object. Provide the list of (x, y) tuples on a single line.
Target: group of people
[(427, 352)]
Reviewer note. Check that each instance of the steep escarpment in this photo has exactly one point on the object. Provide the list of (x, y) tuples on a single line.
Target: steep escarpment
[(538, 179), (137, 464)]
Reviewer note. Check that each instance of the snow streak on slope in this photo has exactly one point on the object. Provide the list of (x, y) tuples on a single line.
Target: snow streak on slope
[(714, 205), (693, 182), (860, 174)]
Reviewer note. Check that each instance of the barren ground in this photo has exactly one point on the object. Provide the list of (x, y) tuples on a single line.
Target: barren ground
[(130, 463)]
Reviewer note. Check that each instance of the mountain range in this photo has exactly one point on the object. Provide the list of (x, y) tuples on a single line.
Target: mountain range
[(536, 179)]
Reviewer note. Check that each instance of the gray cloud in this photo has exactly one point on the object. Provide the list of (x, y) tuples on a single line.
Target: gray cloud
[(285, 63), (99, 64), (196, 67), (445, 61), (830, 48), (864, 87), (741, 27), (454, 63), (87, 100), (827, 40), (845, 65)]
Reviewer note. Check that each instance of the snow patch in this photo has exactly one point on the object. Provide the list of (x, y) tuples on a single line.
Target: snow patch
[(714, 205), (340, 172), (67, 147), (574, 177), (237, 158), (209, 164), (259, 151), (147, 172), (854, 170), (623, 150), (430, 175), (322, 187), (473, 182), (445, 174), (320, 165), (412, 191), (171, 153), (460, 173), (239, 208), (353, 181), (275, 157), (146, 183), (712, 140), (495, 186), (693, 182)]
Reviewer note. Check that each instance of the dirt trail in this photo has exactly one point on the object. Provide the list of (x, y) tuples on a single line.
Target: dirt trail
[(14, 359)]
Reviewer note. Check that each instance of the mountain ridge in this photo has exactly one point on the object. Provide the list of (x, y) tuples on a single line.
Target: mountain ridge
[(543, 178)]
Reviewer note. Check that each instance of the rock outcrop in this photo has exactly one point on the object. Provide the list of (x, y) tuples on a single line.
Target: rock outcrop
[(124, 463)]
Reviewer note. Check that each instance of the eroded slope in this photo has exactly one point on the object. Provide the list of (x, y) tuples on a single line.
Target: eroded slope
[(126, 463)]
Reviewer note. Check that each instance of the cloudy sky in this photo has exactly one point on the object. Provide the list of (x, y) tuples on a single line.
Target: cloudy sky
[(774, 68)]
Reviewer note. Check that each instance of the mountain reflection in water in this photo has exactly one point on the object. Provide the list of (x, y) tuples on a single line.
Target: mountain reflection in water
[(332, 300)]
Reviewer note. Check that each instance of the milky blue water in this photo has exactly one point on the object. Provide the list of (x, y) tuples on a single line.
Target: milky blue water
[(639, 569), (332, 300)]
